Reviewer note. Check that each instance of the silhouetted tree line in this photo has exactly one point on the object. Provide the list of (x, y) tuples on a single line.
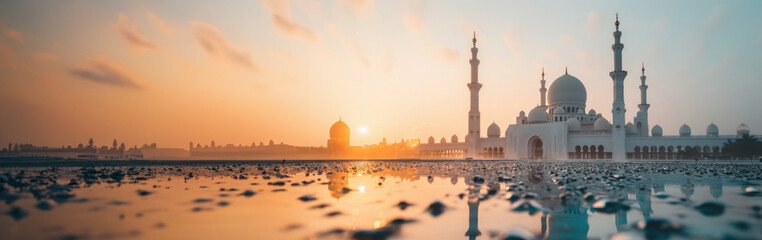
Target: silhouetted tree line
[(746, 147)]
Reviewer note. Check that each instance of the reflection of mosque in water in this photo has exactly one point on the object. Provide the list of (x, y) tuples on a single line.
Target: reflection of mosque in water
[(562, 217), (568, 218)]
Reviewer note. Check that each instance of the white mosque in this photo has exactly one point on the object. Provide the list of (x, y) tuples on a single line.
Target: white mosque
[(563, 127)]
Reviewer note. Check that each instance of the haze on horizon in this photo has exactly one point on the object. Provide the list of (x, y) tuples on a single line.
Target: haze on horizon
[(249, 71)]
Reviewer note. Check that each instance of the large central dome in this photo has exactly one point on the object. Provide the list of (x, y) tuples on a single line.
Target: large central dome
[(339, 130), (567, 89)]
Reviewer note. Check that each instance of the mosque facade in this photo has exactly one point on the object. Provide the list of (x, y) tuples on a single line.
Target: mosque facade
[(563, 127)]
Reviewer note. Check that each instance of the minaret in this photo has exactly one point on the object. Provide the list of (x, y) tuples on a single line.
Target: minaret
[(643, 106), (474, 135), (617, 110), (543, 90)]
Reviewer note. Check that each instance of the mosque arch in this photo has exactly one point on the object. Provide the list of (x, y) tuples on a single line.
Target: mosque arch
[(535, 148), (577, 152), (601, 153), (662, 152), (637, 152), (585, 150)]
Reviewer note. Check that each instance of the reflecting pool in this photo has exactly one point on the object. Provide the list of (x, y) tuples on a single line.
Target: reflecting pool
[(399, 199)]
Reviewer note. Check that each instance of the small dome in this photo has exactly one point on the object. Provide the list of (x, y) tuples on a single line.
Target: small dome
[(685, 131), (602, 125), (574, 125), (339, 130), (454, 138), (538, 115), (443, 140), (742, 129), (712, 130), (656, 131), (592, 112), (580, 111), (431, 139), (559, 110), (521, 114), (493, 131), (567, 89), (629, 128)]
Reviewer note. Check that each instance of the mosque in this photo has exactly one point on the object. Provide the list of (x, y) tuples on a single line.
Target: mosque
[(563, 128)]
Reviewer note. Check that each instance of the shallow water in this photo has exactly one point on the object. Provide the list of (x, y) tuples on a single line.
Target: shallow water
[(362, 200)]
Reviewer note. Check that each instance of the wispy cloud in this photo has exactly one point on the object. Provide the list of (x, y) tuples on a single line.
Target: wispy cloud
[(414, 23), (594, 22), (102, 69), (448, 54), (512, 44), (360, 7), (280, 14), (131, 34), (216, 45), (13, 34), (349, 44), (159, 23), (44, 57)]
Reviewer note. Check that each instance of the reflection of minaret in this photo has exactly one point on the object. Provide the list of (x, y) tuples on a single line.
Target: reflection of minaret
[(644, 201), (474, 118), (621, 217), (617, 109), (687, 190), (473, 211), (716, 190)]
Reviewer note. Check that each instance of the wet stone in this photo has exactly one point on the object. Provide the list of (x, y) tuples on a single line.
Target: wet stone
[(609, 206), (248, 193), (436, 208), (711, 209), (45, 205), (402, 205), (17, 213), (144, 192), (307, 198), (752, 191), (202, 200)]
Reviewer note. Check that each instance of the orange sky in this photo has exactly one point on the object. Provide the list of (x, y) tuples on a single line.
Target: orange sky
[(251, 71)]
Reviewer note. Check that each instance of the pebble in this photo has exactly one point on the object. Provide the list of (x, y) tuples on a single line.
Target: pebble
[(436, 208), (711, 209), (609, 206), (307, 198), (248, 193)]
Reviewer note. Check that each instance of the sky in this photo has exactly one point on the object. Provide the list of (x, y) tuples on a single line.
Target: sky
[(242, 72)]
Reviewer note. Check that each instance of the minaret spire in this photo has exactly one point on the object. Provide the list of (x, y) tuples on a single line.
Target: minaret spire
[(641, 120), (543, 90), (617, 108), (474, 116)]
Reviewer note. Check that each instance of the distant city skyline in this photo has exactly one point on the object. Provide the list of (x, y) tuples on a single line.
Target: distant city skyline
[(240, 72)]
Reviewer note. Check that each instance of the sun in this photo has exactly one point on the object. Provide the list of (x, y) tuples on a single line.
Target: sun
[(362, 130)]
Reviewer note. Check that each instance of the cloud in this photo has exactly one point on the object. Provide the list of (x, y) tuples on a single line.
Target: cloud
[(280, 14), (102, 69), (13, 34), (351, 45), (158, 23), (360, 7), (131, 34), (212, 41), (512, 45), (414, 23), (594, 22), (448, 54), (44, 57)]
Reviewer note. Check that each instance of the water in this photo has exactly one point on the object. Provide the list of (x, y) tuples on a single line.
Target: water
[(381, 199)]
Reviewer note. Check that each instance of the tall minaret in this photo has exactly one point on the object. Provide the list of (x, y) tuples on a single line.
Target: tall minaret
[(543, 90), (643, 106), (473, 115), (617, 110)]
